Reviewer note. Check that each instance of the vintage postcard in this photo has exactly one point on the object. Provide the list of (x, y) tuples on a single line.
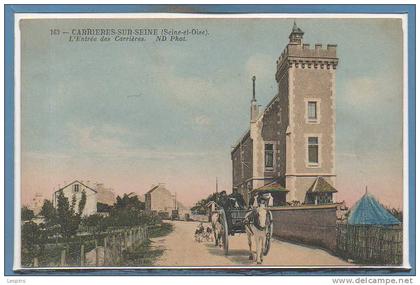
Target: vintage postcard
[(211, 141)]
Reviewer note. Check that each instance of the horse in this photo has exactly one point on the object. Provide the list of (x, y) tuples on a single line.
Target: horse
[(257, 223), (216, 226)]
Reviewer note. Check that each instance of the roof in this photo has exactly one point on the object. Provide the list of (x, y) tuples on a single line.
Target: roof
[(241, 139), (271, 187), (77, 182), (296, 29), (368, 211), (248, 131), (153, 189), (320, 185)]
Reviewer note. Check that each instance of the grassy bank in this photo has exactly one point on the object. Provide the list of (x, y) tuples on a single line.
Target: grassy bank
[(146, 254), (160, 230), (141, 255)]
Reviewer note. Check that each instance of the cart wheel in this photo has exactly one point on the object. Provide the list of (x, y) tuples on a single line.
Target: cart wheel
[(269, 234), (225, 235)]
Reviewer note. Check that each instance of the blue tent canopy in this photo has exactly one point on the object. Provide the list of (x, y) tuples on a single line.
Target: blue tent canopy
[(368, 211)]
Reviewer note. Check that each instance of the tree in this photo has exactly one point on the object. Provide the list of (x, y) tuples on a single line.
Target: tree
[(128, 201), (82, 203), (129, 211), (201, 208), (68, 218), (26, 214), (101, 207), (64, 215), (49, 213), (397, 213), (96, 224), (30, 234)]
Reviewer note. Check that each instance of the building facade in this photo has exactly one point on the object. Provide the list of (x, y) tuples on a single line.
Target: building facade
[(75, 189), (292, 141), (105, 195), (160, 200)]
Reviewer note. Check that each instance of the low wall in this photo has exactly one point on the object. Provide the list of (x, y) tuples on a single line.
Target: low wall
[(199, 218), (314, 225)]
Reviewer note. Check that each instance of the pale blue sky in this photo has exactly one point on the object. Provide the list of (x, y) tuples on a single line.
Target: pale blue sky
[(134, 114)]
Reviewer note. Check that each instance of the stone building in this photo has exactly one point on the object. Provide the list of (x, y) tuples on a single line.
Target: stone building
[(291, 143), (75, 189), (105, 195), (160, 200)]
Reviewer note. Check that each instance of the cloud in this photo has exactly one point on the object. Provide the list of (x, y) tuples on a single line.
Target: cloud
[(370, 91), (93, 142), (362, 90), (202, 121), (260, 65)]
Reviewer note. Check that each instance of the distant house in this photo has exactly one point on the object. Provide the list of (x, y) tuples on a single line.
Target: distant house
[(105, 195), (159, 199), (36, 203), (75, 189), (368, 211)]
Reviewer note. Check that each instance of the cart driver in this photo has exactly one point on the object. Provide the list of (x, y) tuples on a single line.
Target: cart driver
[(252, 201), (225, 204)]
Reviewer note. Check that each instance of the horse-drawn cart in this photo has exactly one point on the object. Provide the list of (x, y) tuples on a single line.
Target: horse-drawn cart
[(234, 221)]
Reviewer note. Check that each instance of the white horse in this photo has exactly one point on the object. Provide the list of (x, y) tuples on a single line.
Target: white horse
[(257, 226), (215, 222)]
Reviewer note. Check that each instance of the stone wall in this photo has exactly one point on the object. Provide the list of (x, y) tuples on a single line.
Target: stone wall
[(313, 225)]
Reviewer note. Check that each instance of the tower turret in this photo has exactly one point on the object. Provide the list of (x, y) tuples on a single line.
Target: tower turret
[(296, 36)]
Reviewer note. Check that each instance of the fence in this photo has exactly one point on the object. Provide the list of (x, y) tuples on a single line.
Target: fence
[(118, 241), (104, 249), (370, 244)]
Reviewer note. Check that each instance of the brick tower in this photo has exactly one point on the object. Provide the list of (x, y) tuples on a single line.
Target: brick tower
[(306, 94)]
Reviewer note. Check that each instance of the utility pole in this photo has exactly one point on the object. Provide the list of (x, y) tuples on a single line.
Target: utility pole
[(217, 186)]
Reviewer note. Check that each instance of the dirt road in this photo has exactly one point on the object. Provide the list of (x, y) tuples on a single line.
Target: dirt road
[(181, 250)]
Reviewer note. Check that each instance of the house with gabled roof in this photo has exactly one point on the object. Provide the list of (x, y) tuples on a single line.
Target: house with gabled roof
[(160, 200), (75, 189)]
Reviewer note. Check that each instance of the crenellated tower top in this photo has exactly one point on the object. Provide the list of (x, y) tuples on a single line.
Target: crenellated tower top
[(300, 55)]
